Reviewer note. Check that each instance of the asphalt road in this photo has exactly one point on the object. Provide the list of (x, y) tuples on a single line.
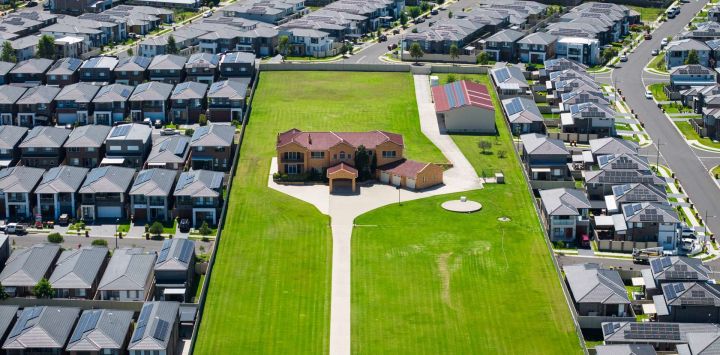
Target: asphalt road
[(678, 155)]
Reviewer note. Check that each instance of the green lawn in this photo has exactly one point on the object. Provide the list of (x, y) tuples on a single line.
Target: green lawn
[(715, 171), (658, 63), (658, 91), (676, 108), (648, 14), (428, 281), (690, 134), (270, 287)]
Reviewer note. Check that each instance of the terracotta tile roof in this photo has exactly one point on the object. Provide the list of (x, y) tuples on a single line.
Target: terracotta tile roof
[(404, 167), (459, 94), (324, 140), (342, 167)]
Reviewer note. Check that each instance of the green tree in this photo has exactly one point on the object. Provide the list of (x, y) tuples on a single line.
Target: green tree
[(424, 6), (484, 146), (189, 132), (99, 243), (46, 47), (403, 19), (283, 46), (171, 45), (3, 294), (8, 53), (608, 54), (156, 228), (451, 78), (483, 58), (414, 11), (373, 165), (43, 289), (202, 120), (416, 51), (362, 163), (454, 52), (692, 57), (130, 52), (55, 238), (205, 229)]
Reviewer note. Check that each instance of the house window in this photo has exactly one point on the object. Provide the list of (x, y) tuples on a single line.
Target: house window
[(133, 148), (342, 155), (389, 154), (199, 149), (90, 149), (317, 155), (114, 147)]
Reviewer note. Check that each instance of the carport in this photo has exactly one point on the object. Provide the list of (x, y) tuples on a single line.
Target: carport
[(342, 172)]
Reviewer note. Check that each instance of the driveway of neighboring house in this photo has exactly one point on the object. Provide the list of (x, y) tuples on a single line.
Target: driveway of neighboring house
[(343, 208)]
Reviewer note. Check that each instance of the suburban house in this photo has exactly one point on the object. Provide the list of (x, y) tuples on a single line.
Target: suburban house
[(198, 196), (150, 194), (581, 96), (74, 103), (536, 47), (156, 329), (57, 192), (104, 193), (524, 116), (597, 292), (16, 186), (589, 118), (633, 193), (545, 158), (652, 222), (42, 147), (175, 270), (9, 95), (63, 72), (617, 170), (502, 46), (188, 102), (169, 152), (128, 145), (150, 100), (634, 349), (101, 331), (612, 146), (36, 106), (7, 318), (202, 67), (565, 214), (212, 147), (98, 70), (582, 50), (41, 330), (132, 70), (237, 64), (167, 68), (26, 267), (85, 147), (5, 68), (464, 106), (676, 52), (688, 302), (685, 76), (510, 82), (226, 100), (30, 71), (560, 64), (111, 104), (77, 272), (10, 138), (669, 269), (128, 276)]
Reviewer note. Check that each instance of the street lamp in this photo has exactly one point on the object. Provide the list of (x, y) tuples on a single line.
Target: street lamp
[(398, 190), (117, 231)]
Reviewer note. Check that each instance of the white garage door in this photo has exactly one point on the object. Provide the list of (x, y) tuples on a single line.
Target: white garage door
[(410, 183), (396, 180), (109, 212), (384, 177)]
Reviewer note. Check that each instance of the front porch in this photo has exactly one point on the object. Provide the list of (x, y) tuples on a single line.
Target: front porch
[(342, 174)]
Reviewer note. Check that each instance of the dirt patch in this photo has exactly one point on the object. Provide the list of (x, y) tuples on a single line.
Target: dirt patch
[(444, 272)]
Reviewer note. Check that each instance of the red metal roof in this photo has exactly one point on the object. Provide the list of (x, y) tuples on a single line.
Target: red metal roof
[(461, 93), (324, 140)]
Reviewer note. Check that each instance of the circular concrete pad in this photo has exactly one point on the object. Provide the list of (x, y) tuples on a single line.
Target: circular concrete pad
[(462, 206), (504, 219)]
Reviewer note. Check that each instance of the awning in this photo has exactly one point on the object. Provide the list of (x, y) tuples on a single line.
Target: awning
[(566, 119), (112, 161), (604, 221), (638, 281), (619, 221), (156, 164), (649, 308), (174, 291), (587, 156), (611, 204), (5, 163), (540, 170)]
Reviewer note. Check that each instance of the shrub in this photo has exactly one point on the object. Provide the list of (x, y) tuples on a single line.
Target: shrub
[(235, 123), (43, 289), (99, 243), (189, 132), (156, 228), (202, 120), (55, 238), (205, 229)]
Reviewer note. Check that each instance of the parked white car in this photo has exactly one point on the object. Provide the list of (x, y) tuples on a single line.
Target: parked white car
[(648, 95)]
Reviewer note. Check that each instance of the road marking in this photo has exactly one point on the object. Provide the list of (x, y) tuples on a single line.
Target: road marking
[(360, 59)]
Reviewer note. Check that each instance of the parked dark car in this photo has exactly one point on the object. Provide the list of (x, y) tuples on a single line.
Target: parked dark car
[(184, 225)]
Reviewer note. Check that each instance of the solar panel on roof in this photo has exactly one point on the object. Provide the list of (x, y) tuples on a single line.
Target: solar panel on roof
[(186, 251), (180, 148), (120, 131), (656, 266), (161, 329), (666, 262), (142, 322), (143, 177), (217, 181), (608, 328), (670, 292), (88, 321)]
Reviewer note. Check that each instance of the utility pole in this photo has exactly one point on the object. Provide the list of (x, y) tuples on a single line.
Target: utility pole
[(657, 158)]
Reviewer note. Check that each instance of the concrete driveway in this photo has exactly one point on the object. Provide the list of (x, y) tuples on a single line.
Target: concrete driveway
[(344, 208)]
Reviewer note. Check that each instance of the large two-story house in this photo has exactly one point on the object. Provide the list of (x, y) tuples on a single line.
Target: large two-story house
[(150, 100), (198, 196), (104, 193), (85, 147), (42, 147), (9, 95), (545, 158), (128, 276), (26, 267), (617, 170), (565, 214), (36, 106), (202, 67), (536, 47), (98, 70), (16, 186), (175, 270), (10, 138), (132, 70), (57, 192), (150, 194), (212, 147), (226, 100), (167, 68), (188, 101), (237, 65), (63, 72), (77, 272), (73, 105), (128, 145), (169, 152), (597, 292), (30, 71), (651, 222), (111, 104)]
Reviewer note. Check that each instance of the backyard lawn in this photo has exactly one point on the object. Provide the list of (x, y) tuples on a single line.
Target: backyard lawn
[(690, 134), (428, 281), (648, 14), (270, 287)]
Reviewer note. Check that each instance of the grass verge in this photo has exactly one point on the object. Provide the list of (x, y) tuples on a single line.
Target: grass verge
[(690, 134)]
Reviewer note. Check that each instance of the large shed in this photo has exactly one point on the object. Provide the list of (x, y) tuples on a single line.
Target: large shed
[(464, 106)]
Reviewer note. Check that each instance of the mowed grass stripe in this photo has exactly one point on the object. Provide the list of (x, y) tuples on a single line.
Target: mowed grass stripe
[(270, 288), (427, 281)]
